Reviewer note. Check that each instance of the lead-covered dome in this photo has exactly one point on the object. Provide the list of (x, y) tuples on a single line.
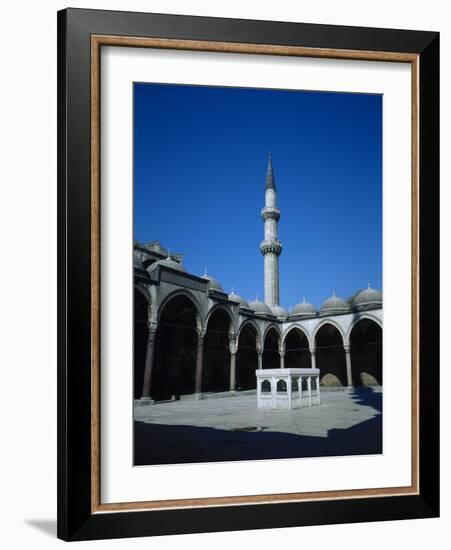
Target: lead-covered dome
[(260, 308), (236, 298), (370, 297), (334, 304), (304, 308), (279, 311), (168, 262), (214, 283)]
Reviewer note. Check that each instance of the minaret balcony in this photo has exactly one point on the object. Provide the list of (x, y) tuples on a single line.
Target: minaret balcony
[(270, 212), (271, 246)]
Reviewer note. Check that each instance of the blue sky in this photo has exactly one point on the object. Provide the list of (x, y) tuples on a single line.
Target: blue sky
[(200, 159)]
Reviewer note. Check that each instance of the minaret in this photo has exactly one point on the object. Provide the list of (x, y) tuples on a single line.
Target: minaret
[(271, 247)]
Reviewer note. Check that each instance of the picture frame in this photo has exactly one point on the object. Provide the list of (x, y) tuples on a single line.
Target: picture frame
[(81, 36)]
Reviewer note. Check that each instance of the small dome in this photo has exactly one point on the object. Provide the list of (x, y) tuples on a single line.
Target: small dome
[(172, 264), (260, 308), (368, 297), (236, 298), (334, 304), (279, 311), (304, 308), (214, 283)]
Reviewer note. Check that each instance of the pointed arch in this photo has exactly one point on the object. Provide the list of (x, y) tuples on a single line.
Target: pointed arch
[(330, 354), (359, 317), (296, 326), (247, 356), (141, 304), (143, 291), (329, 321), (251, 322), (176, 342), (271, 347), (215, 308), (216, 368), (272, 326), (366, 352), (296, 346), (189, 295)]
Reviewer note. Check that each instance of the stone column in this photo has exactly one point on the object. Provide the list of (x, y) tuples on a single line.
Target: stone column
[(260, 356), (348, 365), (259, 391), (313, 358), (282, 358), (233, 350), (148, 367), (199, 362), (289, 392)]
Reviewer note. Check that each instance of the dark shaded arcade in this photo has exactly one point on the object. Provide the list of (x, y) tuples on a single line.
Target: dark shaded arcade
[(330, 356)]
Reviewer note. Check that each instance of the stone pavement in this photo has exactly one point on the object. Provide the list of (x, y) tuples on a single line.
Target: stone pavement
[(232, 428)]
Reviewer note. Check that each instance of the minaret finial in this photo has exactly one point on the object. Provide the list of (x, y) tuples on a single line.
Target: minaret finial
[(369, 285), (205, 271), (270, 181)]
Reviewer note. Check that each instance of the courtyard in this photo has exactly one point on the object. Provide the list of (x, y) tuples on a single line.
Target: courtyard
[(227, 426)]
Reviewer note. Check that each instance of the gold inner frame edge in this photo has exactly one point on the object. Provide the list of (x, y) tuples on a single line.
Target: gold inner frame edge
[(97, 41)]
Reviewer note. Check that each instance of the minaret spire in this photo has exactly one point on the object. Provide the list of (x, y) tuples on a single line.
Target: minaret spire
[(270, 181), (271, 247)]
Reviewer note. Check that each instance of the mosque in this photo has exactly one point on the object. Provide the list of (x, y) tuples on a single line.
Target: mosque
[(192, 338)]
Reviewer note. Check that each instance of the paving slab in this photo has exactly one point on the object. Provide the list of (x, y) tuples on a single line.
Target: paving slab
[(233, 428)]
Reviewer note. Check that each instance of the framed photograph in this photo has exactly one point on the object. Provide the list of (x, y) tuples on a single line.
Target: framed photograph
[(248, 274)]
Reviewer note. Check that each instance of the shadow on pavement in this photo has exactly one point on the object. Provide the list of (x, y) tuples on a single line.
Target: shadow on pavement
[(368, 397), (166, 444)]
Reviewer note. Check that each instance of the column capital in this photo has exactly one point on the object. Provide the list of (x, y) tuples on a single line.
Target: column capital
[(347, 348), (313, 351), (200, 333), (233, 343)]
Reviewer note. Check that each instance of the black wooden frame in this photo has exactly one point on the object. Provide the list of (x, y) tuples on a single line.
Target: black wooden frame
[(75, 520)]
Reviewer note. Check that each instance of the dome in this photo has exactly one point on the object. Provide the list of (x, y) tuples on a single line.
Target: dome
[(334, 304), (260, 308), (279, 311), (368, 297), (214, 283), (236, 298), (304, 308), (172, 264)]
